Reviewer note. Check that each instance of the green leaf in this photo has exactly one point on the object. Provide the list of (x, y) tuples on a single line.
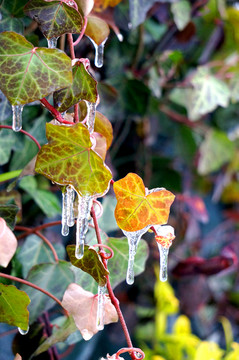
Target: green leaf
[(54, 18), (5, 107), (37, 71), (137, 95), (82, 88), (68, 159), (215, 151), (53, 278), (47, 201), (13, 306), (90, 263), (9, 23), (35, 251), (208, 93), (8, 213), (181, 13), (107, 220), (7, 143), (15, 7)]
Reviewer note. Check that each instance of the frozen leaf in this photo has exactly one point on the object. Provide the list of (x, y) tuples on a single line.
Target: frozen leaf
[(9, 212), (97, 29), (181, 13), (85, 5), (101, 145), (67, 159), (90, 263), (37, 71), (208, 93), (103, 126), (215, 151), (54, 18), (13, 306), (82, 305), (135, 208), (84, 87), (8, 243)]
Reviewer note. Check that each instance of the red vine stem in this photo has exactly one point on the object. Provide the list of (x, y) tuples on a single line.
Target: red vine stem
[(102, 253), (82, 33), (28, 283), (72, 52), (49, 244), (54, 112), (25, 133), (129, 350), (114, 300)]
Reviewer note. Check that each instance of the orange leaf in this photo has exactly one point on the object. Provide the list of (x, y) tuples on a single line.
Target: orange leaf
[(103, 4), (137, 207)]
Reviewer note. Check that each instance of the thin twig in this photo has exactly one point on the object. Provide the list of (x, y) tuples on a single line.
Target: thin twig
[(25, 133), (81, 34), (49, 244)]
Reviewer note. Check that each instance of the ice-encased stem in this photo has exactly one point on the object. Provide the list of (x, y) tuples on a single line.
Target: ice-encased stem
[(17, 117), (99, 53), (90, 120), (100, 308), (64, 225), (84, 207), (52, 43), (23, 332), (70, 206), (163, 251)]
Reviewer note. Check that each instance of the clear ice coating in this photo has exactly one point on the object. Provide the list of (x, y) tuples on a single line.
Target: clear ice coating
[(90, 120), (100, 308), (52, 43), (99, 53), (70, 206), (64, 225), (163, 251), (17, 117), (82, 224), (23, 332), (133, 240)]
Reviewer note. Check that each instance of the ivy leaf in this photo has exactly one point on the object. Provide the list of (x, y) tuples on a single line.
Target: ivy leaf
[(138, 10), (15, 7), (90, 263), (82, 305), (181, 13), (84, 87), (8, 243), (100, 146), (97, 29), (9, 212), (9, 23), (68, 159), (135, 208), (54, 18), (103, 126), (37, 71), (103, 4), (13, 306), (5, 107), (208, 93), (51, 277), (85, 5), (215, 151)]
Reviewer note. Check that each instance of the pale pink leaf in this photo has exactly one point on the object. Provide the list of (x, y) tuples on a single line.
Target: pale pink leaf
[(82, 305), (18, 357), (8, 243)]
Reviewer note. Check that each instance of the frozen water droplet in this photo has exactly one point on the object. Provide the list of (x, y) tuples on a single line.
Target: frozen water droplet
[(133, 240), (99, 53), (23, 332), (100, 308), (17, 117), (120, 37), (64, 225), (52, 43), (163, 251), (90, 120), (82, 224), (63, 114), (70, 206)]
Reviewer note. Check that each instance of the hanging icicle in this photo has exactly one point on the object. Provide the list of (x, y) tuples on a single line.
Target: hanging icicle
[(82, 224), (165, 236), (99, 53), (100, 307), (70, 206), (23, 332), (17, 117), (133, 240), (64, 225), (52, 43), (90, 119)]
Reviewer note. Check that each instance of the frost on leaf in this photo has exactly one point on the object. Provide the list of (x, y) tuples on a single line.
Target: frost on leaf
[(82, 305), (8, 243)]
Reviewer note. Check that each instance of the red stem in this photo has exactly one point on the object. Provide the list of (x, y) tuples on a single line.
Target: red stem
[(129, 350), (49, 244), (54, 112), (71, 46), (81, 34), (25, 133), (114, 300)]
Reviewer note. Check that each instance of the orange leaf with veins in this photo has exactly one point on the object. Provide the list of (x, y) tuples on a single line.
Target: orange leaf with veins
[(137, 207)]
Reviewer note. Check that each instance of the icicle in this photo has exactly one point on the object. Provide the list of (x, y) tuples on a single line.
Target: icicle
[(99, 53), (90, 120), (23, 332), (63, 114), (100, 308), (70, 206), (64, 225), (84, 206), (52, 43), (120, 37), (17, 117), (163, 251), (133, 240)]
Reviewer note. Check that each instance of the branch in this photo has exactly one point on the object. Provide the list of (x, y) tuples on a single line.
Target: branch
[(25, 133), (54, 112), (177, 117)]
